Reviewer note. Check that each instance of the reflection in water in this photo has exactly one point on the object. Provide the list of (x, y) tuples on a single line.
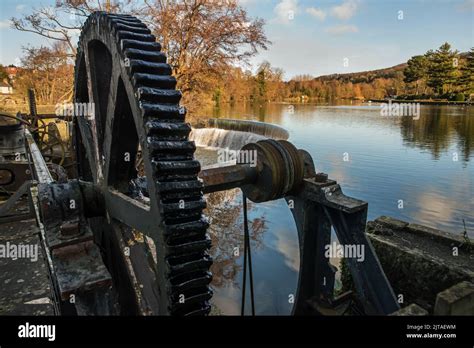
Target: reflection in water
[(289, 248), (438, 128), (390, 160), (226, 230), (275, 255)]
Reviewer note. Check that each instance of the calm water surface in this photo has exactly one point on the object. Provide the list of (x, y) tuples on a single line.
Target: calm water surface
[(416, 170)]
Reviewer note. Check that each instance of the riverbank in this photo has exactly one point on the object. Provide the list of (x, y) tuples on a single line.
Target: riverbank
[(428, 267), (422, 102)]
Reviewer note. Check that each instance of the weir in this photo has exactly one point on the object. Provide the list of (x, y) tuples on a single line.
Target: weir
[(233, 134), (221, 138), (268, 130)]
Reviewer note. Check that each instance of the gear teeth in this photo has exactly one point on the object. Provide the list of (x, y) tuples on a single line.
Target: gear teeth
[(204, 295), (182, 214), (135, 53), (120, 16), (183, 211), (175, 177), (179, 186), (163, 111), (159, 95), (183, 167), (122, 34), (130, 24), (130, 28), (204, 310), (168, 130), (190, 280), (189, 263), (141, 66), (175, 171), (176, 196), (164, 149), (189, 247), (183, 229), (183, 206), (195, 237), (140, 45), (151, 80), (193, 304), (191, 235)]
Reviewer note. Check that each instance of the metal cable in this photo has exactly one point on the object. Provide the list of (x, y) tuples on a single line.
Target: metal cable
[(247, 253)]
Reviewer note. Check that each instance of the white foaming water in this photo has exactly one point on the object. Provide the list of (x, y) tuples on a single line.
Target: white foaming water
[(216, 138)]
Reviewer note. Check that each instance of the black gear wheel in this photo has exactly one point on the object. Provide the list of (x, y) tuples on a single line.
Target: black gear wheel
[(121, 70)]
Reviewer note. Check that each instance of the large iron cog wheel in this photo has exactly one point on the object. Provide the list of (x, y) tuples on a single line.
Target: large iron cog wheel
[(121, 70)]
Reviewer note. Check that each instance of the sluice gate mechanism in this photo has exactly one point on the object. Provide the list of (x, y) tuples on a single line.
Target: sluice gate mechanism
[(126, 235)]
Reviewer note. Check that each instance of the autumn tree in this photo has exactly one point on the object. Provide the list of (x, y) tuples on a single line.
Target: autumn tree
[(235, 86), (47, 72), (3, 73), (268, 83), (62, 22), (202, 38)]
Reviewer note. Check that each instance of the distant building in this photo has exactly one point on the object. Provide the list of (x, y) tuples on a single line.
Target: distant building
[(5, 88), (11, 71)]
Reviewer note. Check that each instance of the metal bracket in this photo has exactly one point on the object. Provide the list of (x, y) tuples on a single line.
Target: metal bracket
[(318, 206)]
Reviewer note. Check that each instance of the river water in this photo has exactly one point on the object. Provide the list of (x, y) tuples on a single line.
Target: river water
[(418, 170)]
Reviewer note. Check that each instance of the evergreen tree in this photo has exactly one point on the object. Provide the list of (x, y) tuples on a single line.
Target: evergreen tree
[(442, 68), (466, 80), (264, 73), (415, 70)]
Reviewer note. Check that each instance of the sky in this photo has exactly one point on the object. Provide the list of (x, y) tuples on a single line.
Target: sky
[(319, 37)]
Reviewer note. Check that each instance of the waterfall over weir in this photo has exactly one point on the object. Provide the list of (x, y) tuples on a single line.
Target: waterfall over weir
[(233, 134), (268, 130)]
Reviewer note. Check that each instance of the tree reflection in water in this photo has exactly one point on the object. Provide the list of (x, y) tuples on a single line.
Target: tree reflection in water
[(224, 210), (435, 131)]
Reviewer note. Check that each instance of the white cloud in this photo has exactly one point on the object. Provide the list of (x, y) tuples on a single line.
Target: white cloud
[(316, 13), (286, 10), (342, 29), (289, 248), (20, 7), (5, 24), (346, 10)]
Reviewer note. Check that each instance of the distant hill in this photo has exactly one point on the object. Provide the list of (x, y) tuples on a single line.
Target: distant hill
[(370, 75), (365, 76)]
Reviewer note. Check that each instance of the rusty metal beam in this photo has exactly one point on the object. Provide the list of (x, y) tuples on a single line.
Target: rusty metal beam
[(227, 177), (42, 173)]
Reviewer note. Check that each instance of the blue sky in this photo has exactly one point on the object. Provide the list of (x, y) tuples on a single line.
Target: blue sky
[(317, 37)]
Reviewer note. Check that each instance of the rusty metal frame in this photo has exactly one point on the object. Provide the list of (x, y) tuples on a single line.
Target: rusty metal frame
[(82, 284), (319, 205)]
